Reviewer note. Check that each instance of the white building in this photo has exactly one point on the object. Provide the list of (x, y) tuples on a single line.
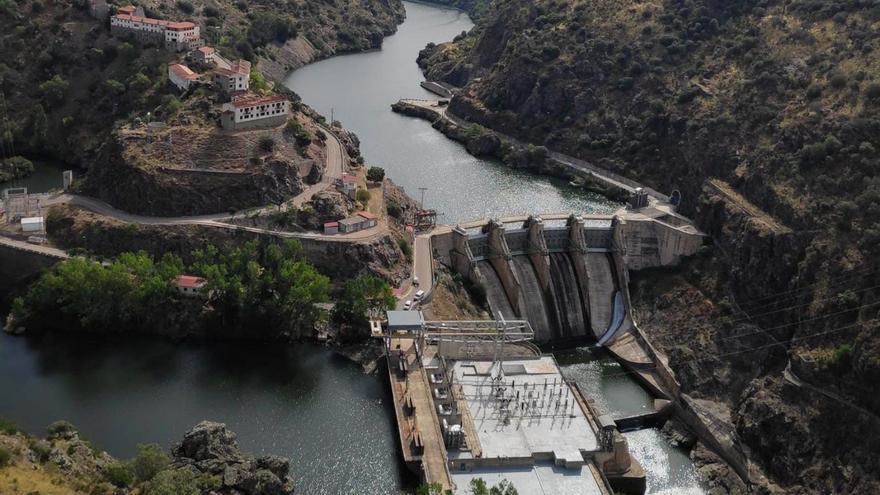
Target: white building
[(174, 35), (190, 285), (32, 224), (181, 76), (255, 111), (235, 78)]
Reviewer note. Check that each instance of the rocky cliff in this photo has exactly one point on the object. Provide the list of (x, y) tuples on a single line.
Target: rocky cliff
[(764, 115), (207, 461)]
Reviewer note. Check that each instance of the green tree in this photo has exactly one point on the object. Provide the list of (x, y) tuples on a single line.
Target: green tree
[(150, 460), (180, 482), (119, 474), (5, 457), (376, 174), (478, 487), (258, 83), (363, 196), (139, 82), (361, 297), (54, 90), (266, 144)]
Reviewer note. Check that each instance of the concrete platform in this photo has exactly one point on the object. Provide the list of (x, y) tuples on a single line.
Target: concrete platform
[(542, 478), (523, 421)]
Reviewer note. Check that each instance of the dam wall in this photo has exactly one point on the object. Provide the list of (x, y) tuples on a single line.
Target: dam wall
[(567, 275)]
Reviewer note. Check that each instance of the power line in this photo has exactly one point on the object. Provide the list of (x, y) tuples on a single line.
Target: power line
[(838, 281)]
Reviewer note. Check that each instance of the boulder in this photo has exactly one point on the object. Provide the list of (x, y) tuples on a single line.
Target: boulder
[(210, 448)]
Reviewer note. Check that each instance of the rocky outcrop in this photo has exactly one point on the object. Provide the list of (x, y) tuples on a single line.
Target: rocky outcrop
[(329, 205), (212, 449)]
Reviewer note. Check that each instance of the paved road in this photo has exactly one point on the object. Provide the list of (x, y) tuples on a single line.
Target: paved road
[(33, 248), (423, 267)]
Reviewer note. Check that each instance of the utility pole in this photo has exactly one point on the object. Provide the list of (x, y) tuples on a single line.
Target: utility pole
[(331, 116), (422, 202)]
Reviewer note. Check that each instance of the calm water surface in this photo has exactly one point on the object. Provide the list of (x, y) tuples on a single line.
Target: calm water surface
[(46, 176), (360, 88), (299, 401)]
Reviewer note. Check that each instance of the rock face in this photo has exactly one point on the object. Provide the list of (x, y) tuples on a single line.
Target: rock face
[(210, 448)]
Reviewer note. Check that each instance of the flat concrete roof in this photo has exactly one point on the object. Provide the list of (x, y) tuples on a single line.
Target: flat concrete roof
[(543, 478), (535, 413), (404, 320)]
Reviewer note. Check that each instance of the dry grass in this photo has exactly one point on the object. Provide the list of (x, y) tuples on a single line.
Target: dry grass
[(19, 480)]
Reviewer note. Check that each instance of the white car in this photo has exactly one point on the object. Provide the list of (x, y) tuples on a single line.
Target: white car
[(419, 294), (415, 280), (407, 305)]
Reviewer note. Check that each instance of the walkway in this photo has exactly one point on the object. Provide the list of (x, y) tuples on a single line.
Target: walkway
[(33, 248)]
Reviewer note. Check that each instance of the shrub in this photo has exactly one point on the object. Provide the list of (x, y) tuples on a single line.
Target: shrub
[(266, 143), (8, 427), (149, 461), (376, 174), (363, 195), (211, 11), (405, 248), (872, 92), (180, 482), (186, 6), (120, 474), (115, 86), (40, 448), (394, 210), (814, 91), (837, 81), (54, 89), (5, 457), (61, 428)]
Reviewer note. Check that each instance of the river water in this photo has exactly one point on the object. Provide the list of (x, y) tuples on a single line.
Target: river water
[(304, 402), (359, 89)]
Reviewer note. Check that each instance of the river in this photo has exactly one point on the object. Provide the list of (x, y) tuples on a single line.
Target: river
[(304, 402), (359, 89)]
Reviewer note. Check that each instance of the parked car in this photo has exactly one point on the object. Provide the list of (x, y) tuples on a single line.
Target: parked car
[(415, 280), (407, 305), (419, 294)]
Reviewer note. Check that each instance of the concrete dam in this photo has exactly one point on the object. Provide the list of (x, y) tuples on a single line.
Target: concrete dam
[(566, 275)]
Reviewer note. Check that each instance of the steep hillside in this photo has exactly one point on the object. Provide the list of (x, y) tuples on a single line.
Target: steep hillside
[(66, 82), (764, 114)]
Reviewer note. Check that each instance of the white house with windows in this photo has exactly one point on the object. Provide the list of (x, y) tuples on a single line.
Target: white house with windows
[(174, 35), (233, 79), (255, 111)]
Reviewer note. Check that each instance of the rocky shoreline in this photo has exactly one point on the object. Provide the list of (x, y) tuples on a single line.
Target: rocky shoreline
[(207, 460)]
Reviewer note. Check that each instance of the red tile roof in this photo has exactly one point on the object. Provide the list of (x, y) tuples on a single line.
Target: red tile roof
[(331, 224), (190, 281), (239, 67), (257, 100), (207, 50), (367, 215), (175, 26), (127, 9), (183, 72), (349, 178)]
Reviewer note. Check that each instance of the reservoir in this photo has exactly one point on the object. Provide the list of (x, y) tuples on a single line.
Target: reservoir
[(302, 401), (359, 89)]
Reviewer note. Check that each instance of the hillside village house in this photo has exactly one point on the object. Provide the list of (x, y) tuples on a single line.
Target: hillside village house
[(204, 55), (234, 78), (181, 76), (363, 220), (255, 111), (190, 285), (174, 35), (349, 185)]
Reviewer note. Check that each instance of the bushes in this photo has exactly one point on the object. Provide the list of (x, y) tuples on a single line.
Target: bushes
[(186, 6), (54, 90), (363, 196), (8, 427), (266, 144), (61, 429), (406, 249), (120, 474), (5, 457), (394, 210), (300, 133), (149, 461), (376, 174)]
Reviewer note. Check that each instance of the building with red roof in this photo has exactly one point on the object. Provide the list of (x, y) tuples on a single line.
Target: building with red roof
[(181, 76), (232, 76), (173, 34), (190, 285)]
